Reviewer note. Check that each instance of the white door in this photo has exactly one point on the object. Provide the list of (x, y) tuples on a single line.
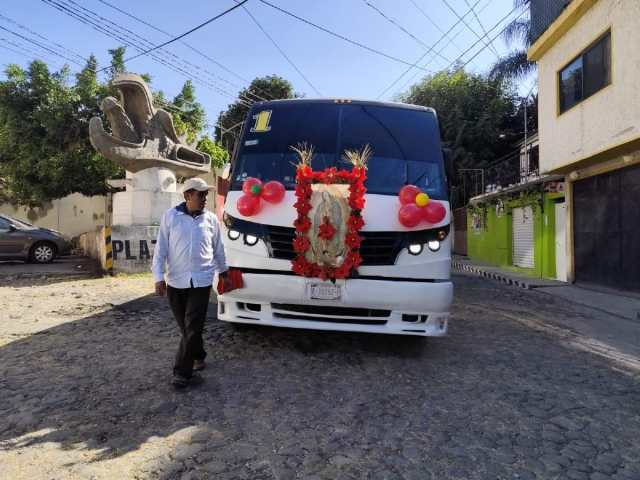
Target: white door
[(523, 237), (561, 242)]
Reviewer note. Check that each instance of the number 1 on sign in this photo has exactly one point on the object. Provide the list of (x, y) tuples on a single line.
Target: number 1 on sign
[(262, 121)]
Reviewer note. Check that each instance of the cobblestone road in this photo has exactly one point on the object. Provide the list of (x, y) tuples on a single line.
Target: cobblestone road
[(85, 366)]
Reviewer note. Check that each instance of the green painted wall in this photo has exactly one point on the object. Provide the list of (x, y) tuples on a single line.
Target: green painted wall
[(494, 244)]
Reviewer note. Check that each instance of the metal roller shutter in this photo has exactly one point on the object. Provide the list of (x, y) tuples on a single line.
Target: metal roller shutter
[(523, 237)]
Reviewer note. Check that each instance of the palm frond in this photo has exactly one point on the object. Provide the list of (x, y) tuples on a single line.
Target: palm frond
[(513, 66), (518, 32), (305, 152), (358, 158)]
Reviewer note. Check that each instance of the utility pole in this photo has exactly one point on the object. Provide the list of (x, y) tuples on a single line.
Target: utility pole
[(526, 152)]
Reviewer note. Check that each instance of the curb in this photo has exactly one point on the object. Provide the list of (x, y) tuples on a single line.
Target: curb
[(494, 276)]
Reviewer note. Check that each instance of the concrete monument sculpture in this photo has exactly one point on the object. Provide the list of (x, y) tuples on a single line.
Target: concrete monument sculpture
[(143, 136), (145, 143)]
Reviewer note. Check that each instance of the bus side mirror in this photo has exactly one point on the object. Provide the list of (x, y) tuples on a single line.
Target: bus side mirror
[(447, 156), (226, 170)]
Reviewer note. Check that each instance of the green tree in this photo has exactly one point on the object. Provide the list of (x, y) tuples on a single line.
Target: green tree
[(270, 87), (45, 151), (473, 113), (219, 156), (515, 65), (188, 115)]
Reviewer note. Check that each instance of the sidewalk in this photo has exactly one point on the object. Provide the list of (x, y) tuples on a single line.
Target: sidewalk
[(610, 303)]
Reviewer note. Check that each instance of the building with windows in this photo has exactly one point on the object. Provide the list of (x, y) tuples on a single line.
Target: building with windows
[(513, 219), (588, 55)]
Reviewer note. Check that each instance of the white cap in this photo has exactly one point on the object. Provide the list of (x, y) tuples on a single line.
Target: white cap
[(196, 184)]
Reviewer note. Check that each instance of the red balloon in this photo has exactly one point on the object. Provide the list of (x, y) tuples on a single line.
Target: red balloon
[(434, 212), (248, 205), (273, 192), (248, 183), (408, 194), (410, 215)]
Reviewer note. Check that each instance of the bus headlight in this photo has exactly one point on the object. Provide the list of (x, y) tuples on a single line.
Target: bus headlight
[(415, 249), (250, 240), (233, 235), (434, 245)]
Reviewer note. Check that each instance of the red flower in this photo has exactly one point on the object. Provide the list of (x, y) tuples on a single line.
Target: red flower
[(353, 259), (356, 202), (307, 190), (302, 224), (344, 174), (342, 271), (359, 173), (300, 265), (325, 272), (352, 240), (301, 244), (355, 223), (327, 231), (330, 175), (303, 206), (303, 173)]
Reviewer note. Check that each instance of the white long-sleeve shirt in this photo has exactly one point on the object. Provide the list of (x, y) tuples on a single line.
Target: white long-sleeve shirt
[(190, 247)]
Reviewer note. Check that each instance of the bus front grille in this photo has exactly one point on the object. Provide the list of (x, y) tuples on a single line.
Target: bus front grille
[(377, 248)]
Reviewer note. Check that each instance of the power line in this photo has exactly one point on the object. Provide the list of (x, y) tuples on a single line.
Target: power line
[(24, 48), (424, 55), (229, 10), (466, 24), (133, 34), (491, 41), (445, 35), (29, 56), (22, 27), (39, 45), (417, 40), (188, 46), (280, 50), (132, 42), (340, 36), (90, 22), (178, 59), (445, 46), (481, 26)]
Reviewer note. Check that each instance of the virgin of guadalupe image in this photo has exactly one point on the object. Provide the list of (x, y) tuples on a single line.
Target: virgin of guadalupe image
[(329, 251)]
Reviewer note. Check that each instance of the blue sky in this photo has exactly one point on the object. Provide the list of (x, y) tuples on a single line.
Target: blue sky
[(334, 67)]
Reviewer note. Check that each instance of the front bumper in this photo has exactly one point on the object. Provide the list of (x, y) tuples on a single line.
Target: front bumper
[(64, 247), (374, 306)]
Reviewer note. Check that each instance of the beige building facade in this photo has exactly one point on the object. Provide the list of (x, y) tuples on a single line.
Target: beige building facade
[(588, 55)]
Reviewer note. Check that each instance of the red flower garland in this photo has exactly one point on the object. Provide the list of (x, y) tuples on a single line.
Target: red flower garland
[(355, 179)]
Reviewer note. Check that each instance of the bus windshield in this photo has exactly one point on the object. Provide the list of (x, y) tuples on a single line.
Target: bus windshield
[(405, 143)]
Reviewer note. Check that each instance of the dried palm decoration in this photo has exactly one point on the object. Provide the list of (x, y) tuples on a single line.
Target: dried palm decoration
[(358, 158), (305, 153)]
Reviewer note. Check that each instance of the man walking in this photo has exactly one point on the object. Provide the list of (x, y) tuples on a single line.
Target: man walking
[(190, 245)]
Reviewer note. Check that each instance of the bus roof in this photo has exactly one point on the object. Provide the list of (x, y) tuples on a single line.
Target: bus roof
[(346, 101)]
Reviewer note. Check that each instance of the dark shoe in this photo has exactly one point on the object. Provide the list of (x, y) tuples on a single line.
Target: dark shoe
[(198, 365), (179, 381)]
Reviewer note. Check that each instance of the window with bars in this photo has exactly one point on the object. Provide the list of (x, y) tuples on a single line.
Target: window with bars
[(587, 74)]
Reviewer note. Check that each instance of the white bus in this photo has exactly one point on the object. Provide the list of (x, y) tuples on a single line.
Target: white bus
[(318, 252)]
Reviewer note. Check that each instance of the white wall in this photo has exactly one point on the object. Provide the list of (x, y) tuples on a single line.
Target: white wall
[(608, 118), (72, 215)]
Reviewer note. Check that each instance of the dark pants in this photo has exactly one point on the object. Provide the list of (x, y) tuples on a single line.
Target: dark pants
[(189, 306)]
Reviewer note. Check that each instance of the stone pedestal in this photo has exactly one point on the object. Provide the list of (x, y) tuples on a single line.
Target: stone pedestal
[(149, 193)]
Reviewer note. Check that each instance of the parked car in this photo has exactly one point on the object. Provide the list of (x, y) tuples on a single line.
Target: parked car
[(20, 240)]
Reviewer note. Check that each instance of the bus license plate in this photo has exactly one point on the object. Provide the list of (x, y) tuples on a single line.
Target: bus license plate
[(325, 292)]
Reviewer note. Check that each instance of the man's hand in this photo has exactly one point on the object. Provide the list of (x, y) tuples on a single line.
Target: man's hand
[(161, 288), (228, 284)]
